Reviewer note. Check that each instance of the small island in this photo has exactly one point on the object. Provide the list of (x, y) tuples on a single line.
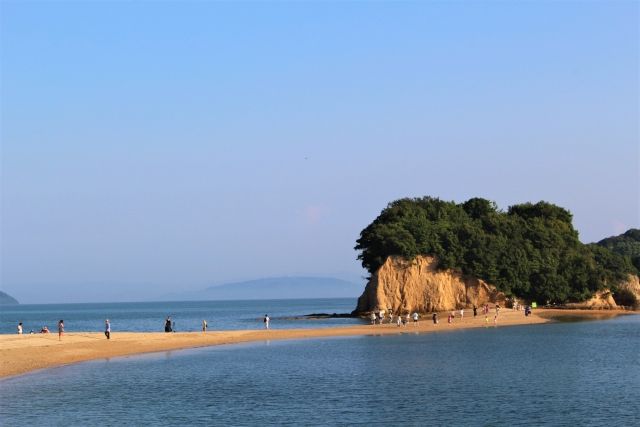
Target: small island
[(426, 254)]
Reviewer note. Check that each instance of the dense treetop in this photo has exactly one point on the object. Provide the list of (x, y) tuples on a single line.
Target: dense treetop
[(530, 251), (627, 245)]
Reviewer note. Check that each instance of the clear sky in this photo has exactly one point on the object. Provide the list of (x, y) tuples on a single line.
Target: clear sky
[(152, 147)]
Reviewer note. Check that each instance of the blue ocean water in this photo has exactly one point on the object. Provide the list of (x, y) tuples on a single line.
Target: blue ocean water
[(561, 374), (188, 315)]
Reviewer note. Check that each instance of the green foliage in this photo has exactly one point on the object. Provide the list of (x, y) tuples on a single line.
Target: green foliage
[(531, 251), (627, 245)]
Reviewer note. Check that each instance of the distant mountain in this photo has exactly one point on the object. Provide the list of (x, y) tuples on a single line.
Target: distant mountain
[(6, 299), (627, 244), (280, 288)]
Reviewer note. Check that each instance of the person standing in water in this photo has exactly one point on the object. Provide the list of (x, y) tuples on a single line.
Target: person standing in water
[(107, 329), (167, 324), (60, 329), (266, 321)]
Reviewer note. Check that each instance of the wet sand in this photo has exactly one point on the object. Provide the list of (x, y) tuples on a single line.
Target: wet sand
[(20, 354)]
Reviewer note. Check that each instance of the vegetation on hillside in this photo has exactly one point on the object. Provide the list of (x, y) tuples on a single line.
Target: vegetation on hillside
[(627, 245), (530, 251)]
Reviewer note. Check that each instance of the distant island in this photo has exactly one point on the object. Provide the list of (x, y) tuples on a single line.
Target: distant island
[(291, 287), (530, 252), (6, 299)]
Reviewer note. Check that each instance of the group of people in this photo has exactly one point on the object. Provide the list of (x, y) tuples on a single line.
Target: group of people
[(379, 317), (44, 329)]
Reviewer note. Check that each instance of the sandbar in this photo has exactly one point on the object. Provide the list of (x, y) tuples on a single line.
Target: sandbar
[(20, 354)]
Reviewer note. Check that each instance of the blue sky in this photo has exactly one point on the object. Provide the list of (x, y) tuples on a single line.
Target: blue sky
[(157, 146)]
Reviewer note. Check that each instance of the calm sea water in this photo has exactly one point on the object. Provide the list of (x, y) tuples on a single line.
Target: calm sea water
[(563, 374), (150, 316)]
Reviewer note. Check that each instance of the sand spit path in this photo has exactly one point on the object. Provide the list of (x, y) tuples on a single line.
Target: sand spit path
[(20, 354)]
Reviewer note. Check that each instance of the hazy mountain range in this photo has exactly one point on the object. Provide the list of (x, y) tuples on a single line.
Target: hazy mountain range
[(276, 288)]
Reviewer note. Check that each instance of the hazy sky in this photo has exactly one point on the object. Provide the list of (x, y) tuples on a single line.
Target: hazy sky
[(158, 146)]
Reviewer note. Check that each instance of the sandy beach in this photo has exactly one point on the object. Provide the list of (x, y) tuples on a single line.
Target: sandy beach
[(20, 354)]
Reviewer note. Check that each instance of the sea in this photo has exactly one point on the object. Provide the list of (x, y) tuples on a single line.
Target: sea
[(187, 315), (584, 373)]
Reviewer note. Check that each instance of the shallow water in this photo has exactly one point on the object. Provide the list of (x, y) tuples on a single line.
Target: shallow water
[(188, 315), (561, 374)]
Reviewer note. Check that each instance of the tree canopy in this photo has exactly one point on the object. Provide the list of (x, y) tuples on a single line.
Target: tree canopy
[(627, 245), (530, 251)]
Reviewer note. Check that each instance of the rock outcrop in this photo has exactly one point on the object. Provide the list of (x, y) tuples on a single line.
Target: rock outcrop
[(602, 300), (625, 294), (417, 285), (628, 292)]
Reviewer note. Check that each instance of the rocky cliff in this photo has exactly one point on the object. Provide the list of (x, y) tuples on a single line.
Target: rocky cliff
[(628, 292), (417, 285)]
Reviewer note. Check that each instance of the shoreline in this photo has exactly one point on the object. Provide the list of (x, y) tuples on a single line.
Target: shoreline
[(21, 354)]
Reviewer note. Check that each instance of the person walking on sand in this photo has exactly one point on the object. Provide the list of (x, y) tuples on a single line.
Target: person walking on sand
[(435, 318), (60, 329), (449, 319), (266, 321), (20, 328), (107, 329), (461, 313), (475, 310), (204, 326), (399, 320), (381, 316), (373, 318), (495, 320), (415, 318), (390, 317)]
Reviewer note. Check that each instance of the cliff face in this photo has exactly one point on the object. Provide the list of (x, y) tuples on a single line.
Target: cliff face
[(407, 286), (628, 292)]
